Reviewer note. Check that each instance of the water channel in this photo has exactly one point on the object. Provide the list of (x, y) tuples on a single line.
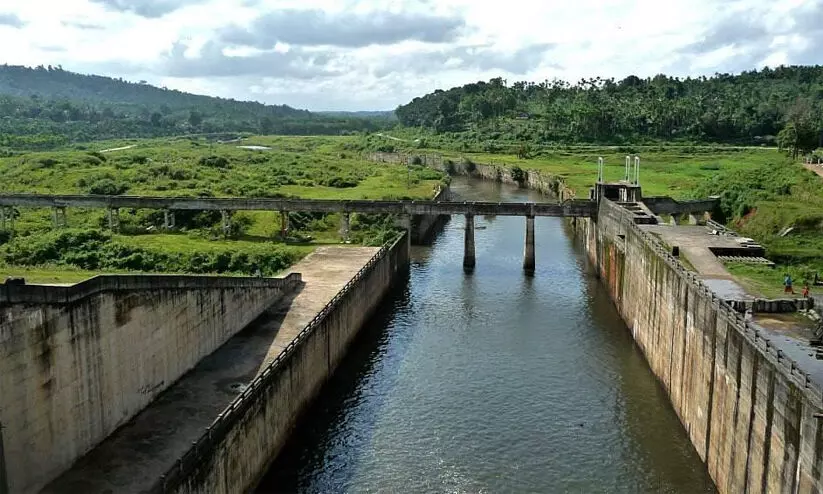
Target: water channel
[(493, 382)]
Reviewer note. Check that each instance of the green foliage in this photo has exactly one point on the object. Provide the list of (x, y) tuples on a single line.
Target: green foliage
[(752, 108), (107, 187), (47, 107), (95, 250), (518, 175)]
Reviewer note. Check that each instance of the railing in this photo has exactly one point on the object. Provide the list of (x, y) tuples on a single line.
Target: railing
[(724, 309), (216, 432)]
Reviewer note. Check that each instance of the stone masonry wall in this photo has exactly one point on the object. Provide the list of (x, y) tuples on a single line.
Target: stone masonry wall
[(235, 451), (78, 362), (747, 408)]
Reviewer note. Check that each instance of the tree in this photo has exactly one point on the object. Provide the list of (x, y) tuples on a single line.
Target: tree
[(787, 140), (195, 119)]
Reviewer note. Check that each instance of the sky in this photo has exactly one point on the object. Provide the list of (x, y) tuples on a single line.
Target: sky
[(377, 54)]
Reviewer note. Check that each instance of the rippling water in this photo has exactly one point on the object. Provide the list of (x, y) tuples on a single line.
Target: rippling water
[(493, 382)]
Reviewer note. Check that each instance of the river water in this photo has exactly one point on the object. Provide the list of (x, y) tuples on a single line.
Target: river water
[(493, 382)]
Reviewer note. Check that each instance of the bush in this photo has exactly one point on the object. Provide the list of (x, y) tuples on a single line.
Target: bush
[(417, 160), (518, 175), (107, 187), (214, 161)]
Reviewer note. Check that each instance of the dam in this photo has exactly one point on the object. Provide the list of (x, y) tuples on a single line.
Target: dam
[(493, 382), (601, 366)]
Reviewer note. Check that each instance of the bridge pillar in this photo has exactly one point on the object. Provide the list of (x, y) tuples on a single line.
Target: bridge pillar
[(168, 219), (675, 219), (224, 216), (468, 247), (344, 226), (284, 225), (58, 216), (114, 219), (528, 254), (693, 219), (2, 218)]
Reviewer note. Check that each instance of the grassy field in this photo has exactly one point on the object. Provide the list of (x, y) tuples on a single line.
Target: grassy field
[(304, 167)]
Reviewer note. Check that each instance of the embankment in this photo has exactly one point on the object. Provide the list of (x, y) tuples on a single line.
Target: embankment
[(77, 362), (747, 408), (424, 225), (235, 450)]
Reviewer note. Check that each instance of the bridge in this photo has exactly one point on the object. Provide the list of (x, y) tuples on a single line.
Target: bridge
[(404, 209)]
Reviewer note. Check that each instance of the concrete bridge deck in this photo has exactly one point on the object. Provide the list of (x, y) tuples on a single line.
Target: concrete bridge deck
[(574, 208), (136, 455)]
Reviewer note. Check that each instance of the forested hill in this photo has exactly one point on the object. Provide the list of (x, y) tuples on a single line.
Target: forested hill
[(46, 106), (751, 108)]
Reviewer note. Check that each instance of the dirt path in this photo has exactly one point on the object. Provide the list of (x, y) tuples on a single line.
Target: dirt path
[(118, 149), (815, 168)]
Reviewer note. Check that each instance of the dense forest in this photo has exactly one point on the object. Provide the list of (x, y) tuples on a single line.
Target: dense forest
[(44, 107), (749, 108)]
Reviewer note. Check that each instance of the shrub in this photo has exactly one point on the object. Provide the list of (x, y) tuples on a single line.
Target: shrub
[(518, 175), (107, 187), (214, 161)]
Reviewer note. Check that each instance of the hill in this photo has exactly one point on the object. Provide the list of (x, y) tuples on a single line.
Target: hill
[(46, 106), (749, 108)]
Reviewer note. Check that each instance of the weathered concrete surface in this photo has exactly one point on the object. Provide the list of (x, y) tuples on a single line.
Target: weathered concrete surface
[(78, 362), (137, 455), (747, 408), (572, 208), (234, 452), (423, 226)]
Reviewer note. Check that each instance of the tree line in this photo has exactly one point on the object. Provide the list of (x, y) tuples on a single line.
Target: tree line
[(749, 108), (43, 107)]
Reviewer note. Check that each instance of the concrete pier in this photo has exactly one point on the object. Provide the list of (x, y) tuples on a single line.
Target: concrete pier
[(528, 254), (134, 458), (344, 226), (468, 249), (284, 224), (114, 219), (168, 219)]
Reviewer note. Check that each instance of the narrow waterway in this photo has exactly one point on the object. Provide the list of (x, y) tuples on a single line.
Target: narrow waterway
[(493, 382)]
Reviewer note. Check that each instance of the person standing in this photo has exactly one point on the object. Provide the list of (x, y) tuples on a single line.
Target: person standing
[(806, 290), (787, 284)]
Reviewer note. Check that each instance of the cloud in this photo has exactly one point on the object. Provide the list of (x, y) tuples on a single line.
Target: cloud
[(317, 28), (151, 9), (736, 31), (212, 61), (86, 26), (11, 20), (469, 58)]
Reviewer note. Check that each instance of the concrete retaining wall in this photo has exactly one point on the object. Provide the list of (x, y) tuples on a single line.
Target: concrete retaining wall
[(747, 408), (779, 306), (235, 451), (78, 362), (424, 225), (546, 183)]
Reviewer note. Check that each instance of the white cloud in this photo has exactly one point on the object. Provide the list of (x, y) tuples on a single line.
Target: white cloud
[(370, 54)]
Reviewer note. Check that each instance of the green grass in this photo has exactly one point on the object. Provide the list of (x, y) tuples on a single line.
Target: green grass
[(304, 167), (767, 281), (664, 170), (47, 274)]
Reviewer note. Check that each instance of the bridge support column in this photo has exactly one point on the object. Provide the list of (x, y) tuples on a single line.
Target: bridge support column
[(224, 216), (114, 219), (675, 219), (284, 225), (168, 219), (3, 218), (693, 219), (344, 227), (468, 247), (528, 253), (58, 215)]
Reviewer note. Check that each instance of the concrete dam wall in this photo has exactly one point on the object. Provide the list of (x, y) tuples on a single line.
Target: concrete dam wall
[(748, 410), (77, 362), (234, 452)]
